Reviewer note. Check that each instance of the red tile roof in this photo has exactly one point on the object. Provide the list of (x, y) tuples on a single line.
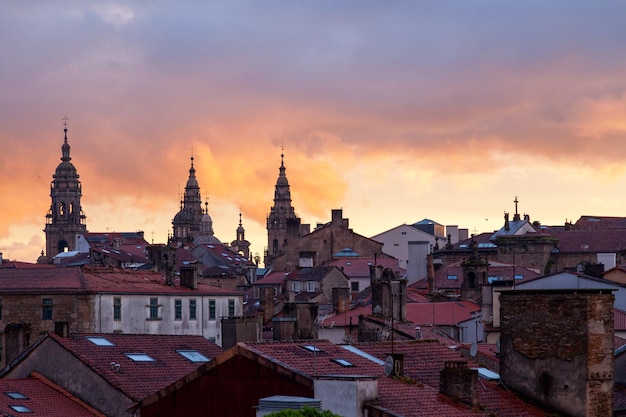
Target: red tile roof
[(42, 280), (439, 314), (138, 379), (43, 398), (273, 278), (360, 267)]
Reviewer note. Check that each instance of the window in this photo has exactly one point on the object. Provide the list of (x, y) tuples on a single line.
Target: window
[(100, 341), (211, 309), (178, 309), (295, 286), (343, 362), (21, 409), (515, 277), (117, 309), (16, 395), (140, 357), (192, 309), (231, 308), (46, 309), (312, 348), (310, 286), (452, 277), (193, 355), (154, 308), (355, 286)]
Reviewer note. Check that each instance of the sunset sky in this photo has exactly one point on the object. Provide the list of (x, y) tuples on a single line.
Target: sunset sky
[(394, 111)]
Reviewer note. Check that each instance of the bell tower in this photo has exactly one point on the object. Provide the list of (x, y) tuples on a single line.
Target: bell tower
[(65, 219), (282, 222)]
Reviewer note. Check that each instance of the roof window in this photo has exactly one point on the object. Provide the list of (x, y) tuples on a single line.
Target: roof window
[(343, 362), (16, 395), (100, 341), (193, 355), (21, 409), (311, 348), (140, 357)]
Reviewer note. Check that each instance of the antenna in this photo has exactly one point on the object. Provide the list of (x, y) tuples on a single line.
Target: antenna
[(474, 349)]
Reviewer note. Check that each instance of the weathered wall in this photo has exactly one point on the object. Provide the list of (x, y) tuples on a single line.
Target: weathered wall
[(557, 348)]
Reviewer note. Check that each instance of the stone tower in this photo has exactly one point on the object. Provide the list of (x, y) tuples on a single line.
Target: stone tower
[(282, 223), (241, 245), (186, 223), (65, 219)]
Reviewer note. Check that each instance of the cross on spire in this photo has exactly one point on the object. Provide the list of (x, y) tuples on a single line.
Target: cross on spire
[(65, 119), (516, 201)]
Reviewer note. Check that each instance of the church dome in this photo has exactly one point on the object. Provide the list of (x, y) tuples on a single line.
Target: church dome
[(182, 217)]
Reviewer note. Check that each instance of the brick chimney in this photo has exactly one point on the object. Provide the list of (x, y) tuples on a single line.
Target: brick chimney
[(267, 301), (189, 277), (458, 381)]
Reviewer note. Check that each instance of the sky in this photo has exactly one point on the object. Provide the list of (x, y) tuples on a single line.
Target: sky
[(392, 111)]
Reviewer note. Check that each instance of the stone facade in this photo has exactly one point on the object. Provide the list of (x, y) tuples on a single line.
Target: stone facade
[(557, 348), (318, 247)]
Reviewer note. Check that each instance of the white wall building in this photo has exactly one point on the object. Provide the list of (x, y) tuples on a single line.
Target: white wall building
[(137, 305)]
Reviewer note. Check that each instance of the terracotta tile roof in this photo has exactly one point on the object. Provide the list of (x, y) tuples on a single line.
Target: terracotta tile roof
[(42, 280), (43, 398), (360, 267), (576, 241), (423, 360), (316, 273), (600, 223), (444, 313), (115, 280), (344, 319), (273, 278), (138, 379)]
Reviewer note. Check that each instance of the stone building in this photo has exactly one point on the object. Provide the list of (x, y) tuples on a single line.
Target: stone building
[(320, 246), (557, 348), (65, 219), (241, 245)]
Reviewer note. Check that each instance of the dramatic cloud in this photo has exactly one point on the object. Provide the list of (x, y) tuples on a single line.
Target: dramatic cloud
[(395, 112)]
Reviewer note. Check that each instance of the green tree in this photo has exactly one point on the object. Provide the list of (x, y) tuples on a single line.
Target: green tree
[(305, 412)]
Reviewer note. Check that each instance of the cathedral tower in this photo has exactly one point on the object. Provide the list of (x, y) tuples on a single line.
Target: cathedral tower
[(65, 219), (186, 223), (282, 223), (241, 245)]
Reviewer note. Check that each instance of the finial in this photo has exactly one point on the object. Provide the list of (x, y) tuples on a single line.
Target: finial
[(65, 119), (206, 206), (515, 201), (239, 217), (282, 153)]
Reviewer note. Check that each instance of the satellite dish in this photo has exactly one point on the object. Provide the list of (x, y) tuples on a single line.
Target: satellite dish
[(388, 365), (474, 349)]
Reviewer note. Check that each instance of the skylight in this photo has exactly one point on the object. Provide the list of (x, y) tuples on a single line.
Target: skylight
[(100, 341), (21, 409), (16, 395), (343, 362), (312, 348), (140, 357), (193, 355)]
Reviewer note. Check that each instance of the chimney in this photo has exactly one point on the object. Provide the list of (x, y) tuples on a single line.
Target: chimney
[(188, 277), (458, 381), (267, 301), (430, 277), (337, 215), (341, 299)]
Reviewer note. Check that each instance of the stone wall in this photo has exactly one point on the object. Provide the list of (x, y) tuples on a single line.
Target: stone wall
[(557, 348)]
